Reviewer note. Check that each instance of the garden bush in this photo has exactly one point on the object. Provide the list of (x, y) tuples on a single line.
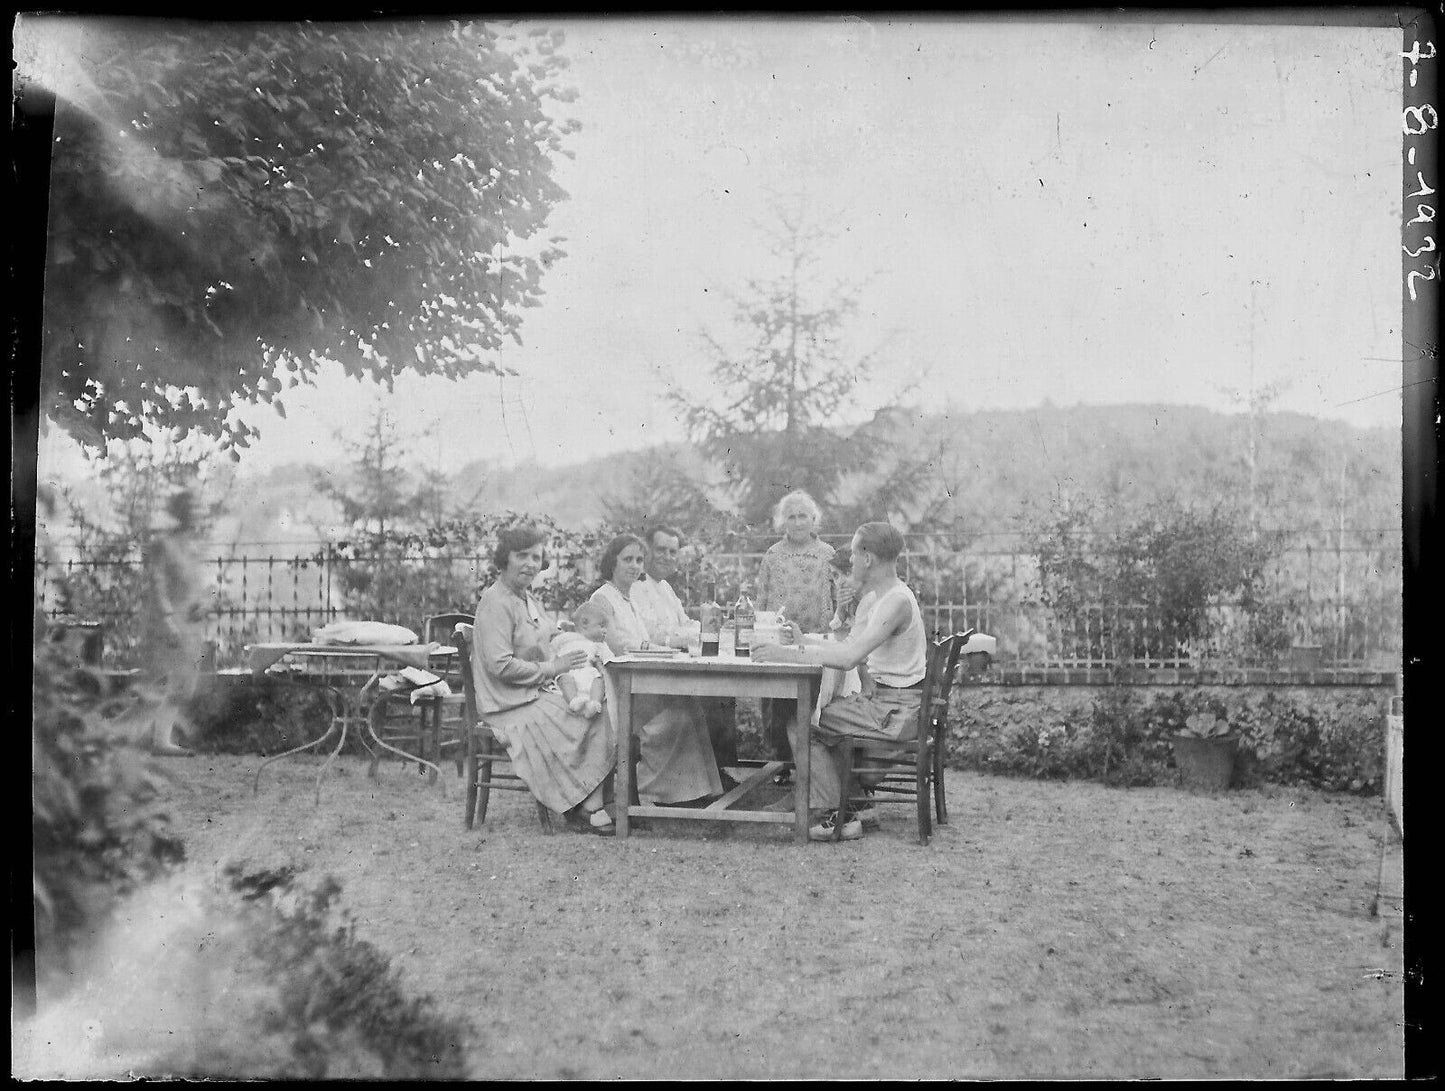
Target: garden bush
[(1140, 584), (231, 715), (1338, 746), (257, 977), (99, 828), (335, 1007), (1328, 738)]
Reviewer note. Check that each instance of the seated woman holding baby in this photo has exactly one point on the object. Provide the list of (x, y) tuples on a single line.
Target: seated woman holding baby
[(560, 752), (677, 765)]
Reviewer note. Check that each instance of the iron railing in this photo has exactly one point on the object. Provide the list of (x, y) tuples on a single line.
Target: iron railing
[(1343, 603)]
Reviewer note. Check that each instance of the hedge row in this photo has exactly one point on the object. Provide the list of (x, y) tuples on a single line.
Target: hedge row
[(1322, 737), (1331, 738)]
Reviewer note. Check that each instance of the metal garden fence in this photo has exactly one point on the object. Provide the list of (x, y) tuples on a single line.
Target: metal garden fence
[(1343, 602)]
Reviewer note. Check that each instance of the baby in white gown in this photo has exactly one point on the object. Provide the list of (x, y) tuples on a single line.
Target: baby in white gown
[(583, 686)]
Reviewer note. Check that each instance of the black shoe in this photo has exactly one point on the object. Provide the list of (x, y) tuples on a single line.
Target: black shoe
[(784, 779)]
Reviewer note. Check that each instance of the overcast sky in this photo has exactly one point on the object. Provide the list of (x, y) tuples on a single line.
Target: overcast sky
[(1073, 211)]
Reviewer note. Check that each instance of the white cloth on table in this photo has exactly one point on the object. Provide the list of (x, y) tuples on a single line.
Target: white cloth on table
[(363, 632), (261, 656)]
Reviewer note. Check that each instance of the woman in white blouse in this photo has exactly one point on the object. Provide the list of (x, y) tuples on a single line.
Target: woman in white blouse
[(677, 765)]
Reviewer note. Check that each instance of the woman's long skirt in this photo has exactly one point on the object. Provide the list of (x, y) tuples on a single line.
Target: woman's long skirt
[(676, 761), (559, 755)]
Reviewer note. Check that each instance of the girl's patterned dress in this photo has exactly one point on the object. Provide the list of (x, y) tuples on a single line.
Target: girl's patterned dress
[(797, 582)]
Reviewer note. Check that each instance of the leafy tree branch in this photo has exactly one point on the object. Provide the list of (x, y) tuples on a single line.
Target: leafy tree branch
[(232, 204)]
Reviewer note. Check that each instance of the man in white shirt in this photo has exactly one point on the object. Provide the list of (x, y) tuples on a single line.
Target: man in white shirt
[(654, 599), (667, 623)]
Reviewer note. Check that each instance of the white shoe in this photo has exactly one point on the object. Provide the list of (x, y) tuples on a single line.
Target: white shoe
[(823, 831), (600, 823)]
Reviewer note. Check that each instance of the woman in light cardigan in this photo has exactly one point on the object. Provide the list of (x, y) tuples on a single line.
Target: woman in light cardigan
[(677, 764), (561, 756)]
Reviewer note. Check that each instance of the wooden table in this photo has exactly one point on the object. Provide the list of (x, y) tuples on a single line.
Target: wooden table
[(337, 668), (721, 676)]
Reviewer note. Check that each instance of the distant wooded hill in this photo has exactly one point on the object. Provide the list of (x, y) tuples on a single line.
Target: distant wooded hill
[(981, 468)]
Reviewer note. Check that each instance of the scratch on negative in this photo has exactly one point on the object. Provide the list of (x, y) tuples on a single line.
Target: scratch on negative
[(1205, 65), (1040, 433)]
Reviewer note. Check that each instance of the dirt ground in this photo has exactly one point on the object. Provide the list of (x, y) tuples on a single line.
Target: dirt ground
[(1050, 930)]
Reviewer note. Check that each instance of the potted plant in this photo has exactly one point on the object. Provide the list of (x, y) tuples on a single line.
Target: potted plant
[(1204, 751)]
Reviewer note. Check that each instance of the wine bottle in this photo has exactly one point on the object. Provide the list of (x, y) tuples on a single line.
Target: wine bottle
[(710, 621), (743, 616)]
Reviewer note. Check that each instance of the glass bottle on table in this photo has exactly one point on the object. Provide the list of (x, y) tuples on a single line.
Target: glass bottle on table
[(710, 621), (743, 618)]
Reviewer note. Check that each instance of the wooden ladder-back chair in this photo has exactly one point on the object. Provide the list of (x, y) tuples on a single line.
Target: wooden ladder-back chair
[(422, 728), (413, 728), (912, 770), (439, 629), (444, 721), (482, 750)]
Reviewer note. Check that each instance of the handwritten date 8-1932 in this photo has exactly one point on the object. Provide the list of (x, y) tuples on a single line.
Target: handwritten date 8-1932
[(1420, 122)]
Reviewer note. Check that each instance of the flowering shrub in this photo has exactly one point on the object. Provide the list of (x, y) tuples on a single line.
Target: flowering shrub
[(1162, 569), (1045, 752), (402, 576), (1330, 739)]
